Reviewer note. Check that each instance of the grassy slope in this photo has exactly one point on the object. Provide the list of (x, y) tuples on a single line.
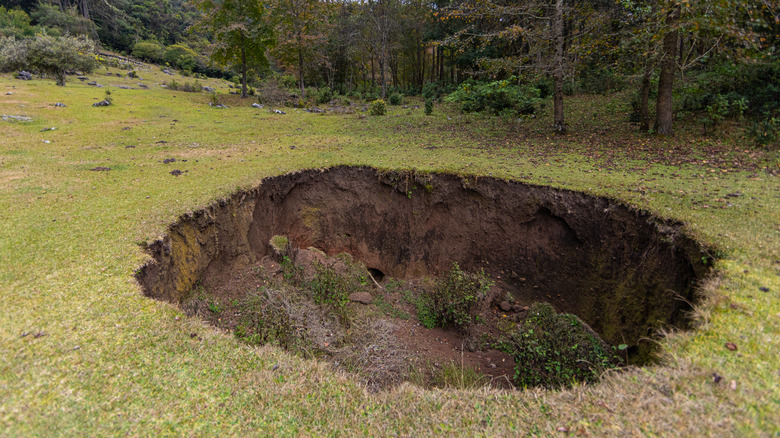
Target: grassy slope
[(113, 362)]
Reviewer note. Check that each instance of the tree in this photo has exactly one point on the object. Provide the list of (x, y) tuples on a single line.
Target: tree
[(49, 55), (241, 33), (302, 27), (536, 36)]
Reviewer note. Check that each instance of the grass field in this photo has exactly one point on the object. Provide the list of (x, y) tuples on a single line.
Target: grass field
[(84, 353)]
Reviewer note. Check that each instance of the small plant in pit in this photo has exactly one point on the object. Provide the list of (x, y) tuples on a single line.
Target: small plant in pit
[(265, 319), (451, 300), (331, 289), (556, 350)]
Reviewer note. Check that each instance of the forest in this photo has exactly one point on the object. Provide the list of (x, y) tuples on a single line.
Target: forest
[(710, 60)]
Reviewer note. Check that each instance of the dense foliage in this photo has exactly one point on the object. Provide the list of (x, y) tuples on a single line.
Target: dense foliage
[(554, 350), (54, 56), (714, 59)]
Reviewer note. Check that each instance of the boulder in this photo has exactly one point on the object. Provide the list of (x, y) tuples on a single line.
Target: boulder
[(209, 90), (361, 297), (24, 75), (256, 105), (102, 103)]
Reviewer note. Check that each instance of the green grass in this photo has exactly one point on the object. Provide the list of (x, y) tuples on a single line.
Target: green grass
[(112, 362)]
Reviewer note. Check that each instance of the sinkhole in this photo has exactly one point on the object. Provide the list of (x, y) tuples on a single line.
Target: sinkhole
[(255, 263)]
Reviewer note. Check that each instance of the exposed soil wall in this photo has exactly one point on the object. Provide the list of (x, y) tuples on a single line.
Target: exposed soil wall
[(621, 270)]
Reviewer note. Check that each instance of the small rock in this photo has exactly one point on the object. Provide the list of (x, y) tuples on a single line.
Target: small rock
[(101, 169), (278, 112), (83, 78), (731, 346), (9, 93), (143, 86), (505, 306), (24, 75), (125, 87), (361, 297), (716, 377), (7, 118), (167, 72), (102, 103), (60, 105), (176, 172), (48, 129), (763, 289), (517, 308), (315, 110), (130, 146), (92, 83), (256, 105), (209, 90), (169, 160)]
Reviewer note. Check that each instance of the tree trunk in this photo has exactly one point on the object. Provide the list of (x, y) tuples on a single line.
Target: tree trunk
[(558, 121), (644, 113), (243, 74), (85, 9), (663, 110), (300, 67), (382, 74)]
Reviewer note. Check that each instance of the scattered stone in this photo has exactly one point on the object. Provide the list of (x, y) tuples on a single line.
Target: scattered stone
[(505, 306), (46, 142), (278, 112), (9, 93), (143, 86), (60, 105), (361, 297), (176, 172), (169, 160), (102, 103), (161, 142), (48, 129), (209, 90), (24, 75), (100, 169), (119, 75), (219, 105), (763, 289), (233, 92), (256, 105), (83, 78), (168, 72), (7, 118), (130, 146), (517, 308), (125, 87), (315, 110), (132, 75), (231, 86), (93, 83)]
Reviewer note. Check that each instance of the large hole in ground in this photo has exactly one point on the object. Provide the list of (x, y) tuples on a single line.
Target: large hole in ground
[(274, 264)]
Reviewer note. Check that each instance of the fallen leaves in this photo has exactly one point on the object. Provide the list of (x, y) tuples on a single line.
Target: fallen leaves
[(731, 346)]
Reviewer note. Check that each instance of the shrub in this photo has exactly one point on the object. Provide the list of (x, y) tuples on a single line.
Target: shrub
[(378, 108), (451, 300), (330, 288), (181, 57), (555, 350), (324, 95), (496, 97), (189, 87), (150, 51), (395, 99), (265, 319), (428, 107)]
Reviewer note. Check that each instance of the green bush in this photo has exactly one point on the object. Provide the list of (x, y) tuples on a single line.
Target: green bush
[(496, 97), (324, 95), (395, 99), (378, 108), (189, 87), (330, 288), (452, 299), (428, 107), (181, 57), (556, 350), (265, 320), (150, 51)]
